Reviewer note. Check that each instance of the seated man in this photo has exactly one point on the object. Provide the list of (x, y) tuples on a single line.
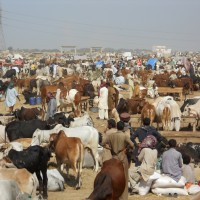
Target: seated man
[(146, 171), (188, 170), (172, 162)]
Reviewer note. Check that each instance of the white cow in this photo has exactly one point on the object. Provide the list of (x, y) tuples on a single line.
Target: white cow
[(84, 120), (3, 135), (88, 135), (9, 189), (42, 136), (192, 110), (27, 182), (175, 112)]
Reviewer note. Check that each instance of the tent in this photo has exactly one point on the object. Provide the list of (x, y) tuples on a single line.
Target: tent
[(152, 62)]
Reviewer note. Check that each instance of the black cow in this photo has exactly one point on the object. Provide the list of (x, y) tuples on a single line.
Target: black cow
[(3, 86), (88, 90), (190, 149), (28, 94), (60, 118), (34, 159), (189, 102), (24, 129), (10, 73)]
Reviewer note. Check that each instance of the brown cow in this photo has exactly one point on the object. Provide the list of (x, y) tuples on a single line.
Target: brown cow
[(109, 183), (26, 114), (44, 91), (68, 150), (135, 105), (148, 111), (73, 97)]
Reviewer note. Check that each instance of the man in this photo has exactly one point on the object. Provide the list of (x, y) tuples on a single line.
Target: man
[(103, 102), (131, 84), (142, 132), (52, 106), (118, 142), (148, 158), (112, 96), (11, 95), (172, 162), (111, 128)]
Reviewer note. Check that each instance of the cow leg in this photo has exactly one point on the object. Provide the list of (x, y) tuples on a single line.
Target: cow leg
[(45, 180), (78, 177), (95, 155), (40, 181)]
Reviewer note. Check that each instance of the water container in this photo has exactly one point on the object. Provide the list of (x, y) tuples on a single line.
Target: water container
[(38, 100), (32, 100)]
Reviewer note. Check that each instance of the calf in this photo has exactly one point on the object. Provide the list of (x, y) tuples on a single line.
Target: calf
[(35, 160), (68, 150), (109, 182)]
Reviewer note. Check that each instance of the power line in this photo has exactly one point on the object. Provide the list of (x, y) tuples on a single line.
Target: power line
[(92, 25), (118, 35)]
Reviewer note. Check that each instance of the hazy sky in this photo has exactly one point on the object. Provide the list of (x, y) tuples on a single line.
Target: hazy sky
[(48, 24)]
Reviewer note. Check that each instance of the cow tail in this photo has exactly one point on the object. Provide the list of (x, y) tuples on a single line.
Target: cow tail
[(5, 134)]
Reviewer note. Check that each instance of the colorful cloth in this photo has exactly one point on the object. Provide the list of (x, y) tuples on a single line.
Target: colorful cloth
[(149, 142)]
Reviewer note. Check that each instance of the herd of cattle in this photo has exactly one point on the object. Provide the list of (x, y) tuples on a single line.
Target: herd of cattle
[(68, 136)]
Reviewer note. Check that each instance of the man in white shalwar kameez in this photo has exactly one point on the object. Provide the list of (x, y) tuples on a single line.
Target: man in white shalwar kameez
[(103, 103)]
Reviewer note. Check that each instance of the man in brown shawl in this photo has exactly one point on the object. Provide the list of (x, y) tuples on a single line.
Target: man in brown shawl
[(112, 98)]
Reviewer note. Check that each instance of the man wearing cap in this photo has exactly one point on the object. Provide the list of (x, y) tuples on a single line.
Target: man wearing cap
[(118, 142), (11, 95)]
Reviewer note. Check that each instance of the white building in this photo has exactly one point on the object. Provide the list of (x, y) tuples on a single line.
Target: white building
[(161, 51)]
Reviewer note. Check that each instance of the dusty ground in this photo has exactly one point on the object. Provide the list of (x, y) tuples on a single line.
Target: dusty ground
[(88, 175)]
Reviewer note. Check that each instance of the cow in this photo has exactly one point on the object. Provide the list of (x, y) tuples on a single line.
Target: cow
[(109, 182), (9, 189), (73, 97), (174, 112), (189, 102), (24, 129), (84, 120), (163, 114), (70, 151), (26, 181), (148, 111), (3, 135), (10, 73), (88, 135), (35, 160), (132, 106), (26, 114), (44, 91)]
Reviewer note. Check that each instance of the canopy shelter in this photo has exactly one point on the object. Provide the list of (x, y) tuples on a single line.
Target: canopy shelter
[(152, 62)]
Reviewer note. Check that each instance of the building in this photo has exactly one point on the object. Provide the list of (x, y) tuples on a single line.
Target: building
[(161, 51)]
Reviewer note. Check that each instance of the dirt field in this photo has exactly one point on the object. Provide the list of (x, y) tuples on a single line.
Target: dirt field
[(88, 175)]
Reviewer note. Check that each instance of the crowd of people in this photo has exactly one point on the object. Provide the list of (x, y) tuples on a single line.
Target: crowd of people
[(141, 173)]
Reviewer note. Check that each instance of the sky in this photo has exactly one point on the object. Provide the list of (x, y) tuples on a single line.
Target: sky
[(131, 24)]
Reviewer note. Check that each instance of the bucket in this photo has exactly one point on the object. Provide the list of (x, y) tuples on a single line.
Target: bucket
[(32, 100), (38, 100)]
